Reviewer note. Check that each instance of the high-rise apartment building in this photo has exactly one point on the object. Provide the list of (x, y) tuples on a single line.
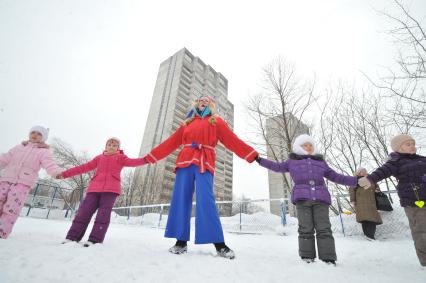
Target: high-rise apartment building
[(278, 149), (181, 79)]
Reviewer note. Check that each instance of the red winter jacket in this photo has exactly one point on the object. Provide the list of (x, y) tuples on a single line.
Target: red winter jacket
[(198, 141), (108, 169)]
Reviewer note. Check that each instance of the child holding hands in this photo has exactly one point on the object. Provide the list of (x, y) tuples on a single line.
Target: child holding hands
[(21, 165), (101, 193)]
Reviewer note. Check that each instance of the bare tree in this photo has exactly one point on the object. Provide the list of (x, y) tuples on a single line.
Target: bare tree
[(355, 128), (285, 98), (276, 113), (127, 196), (66, 157), (405, 83)]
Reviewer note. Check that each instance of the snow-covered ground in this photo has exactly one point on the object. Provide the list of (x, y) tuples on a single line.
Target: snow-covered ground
[(135, 253)]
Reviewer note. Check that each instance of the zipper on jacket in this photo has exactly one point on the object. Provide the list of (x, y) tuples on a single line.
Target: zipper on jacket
[(21, 162), (108, 160)]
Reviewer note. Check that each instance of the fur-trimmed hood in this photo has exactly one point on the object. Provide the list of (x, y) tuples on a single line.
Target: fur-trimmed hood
[(295, 156), (299, 141)]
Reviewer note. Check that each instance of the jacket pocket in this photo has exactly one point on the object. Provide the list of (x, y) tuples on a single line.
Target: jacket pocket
[(26, 174)]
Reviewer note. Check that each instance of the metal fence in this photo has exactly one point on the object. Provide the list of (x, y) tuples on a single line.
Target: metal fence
[(248, 216), (394, 222), (48, 200), (242, 216)]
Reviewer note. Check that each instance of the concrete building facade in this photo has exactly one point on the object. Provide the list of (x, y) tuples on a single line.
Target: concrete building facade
[(278, 150), (181, 79)]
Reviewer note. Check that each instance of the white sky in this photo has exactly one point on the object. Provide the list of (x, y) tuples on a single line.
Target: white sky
[(87, 69)]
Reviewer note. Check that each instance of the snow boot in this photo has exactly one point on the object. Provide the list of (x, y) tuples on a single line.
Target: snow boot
[(224, 251), (67, 241), (308, 259), (88, 244), (329, 261), (369, 239), (179, 248)]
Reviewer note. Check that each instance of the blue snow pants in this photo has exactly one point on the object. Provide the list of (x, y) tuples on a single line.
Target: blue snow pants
[(208, 228)]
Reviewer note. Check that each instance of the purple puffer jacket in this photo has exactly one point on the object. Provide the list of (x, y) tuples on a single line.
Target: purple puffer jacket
[(308, 172), (410, 171)]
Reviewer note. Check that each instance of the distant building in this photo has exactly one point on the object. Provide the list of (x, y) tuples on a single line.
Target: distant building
[(181, 79), (277, 186)]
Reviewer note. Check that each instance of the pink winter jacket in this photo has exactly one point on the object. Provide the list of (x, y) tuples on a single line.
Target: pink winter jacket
[(22, 163), (108, 169)]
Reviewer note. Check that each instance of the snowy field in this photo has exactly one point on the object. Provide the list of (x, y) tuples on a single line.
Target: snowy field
[(134, 253)]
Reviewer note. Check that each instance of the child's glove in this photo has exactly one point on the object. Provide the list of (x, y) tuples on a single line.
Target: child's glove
[(364, 182), (258, 159)]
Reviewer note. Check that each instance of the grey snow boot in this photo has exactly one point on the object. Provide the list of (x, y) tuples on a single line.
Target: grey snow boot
[(179, 248), (224, 251), (308, 259), (329, 261)]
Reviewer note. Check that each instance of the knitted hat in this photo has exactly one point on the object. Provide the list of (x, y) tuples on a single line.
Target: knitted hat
[(114, 139), (42, 130), (398, 140), (301, 140)]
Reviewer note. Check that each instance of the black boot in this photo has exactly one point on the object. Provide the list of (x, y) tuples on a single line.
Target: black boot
[(89, 243), (369, 229), (224, 251)]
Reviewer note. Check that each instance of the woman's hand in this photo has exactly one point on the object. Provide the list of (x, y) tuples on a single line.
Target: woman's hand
[(364, 182)]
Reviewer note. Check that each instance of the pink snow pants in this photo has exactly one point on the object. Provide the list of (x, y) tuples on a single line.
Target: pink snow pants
[(12, 199)]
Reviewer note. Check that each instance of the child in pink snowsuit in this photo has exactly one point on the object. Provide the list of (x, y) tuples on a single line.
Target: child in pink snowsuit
[(101, 193), (20, 167)]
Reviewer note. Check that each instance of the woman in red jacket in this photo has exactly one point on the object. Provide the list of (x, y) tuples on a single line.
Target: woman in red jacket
[(101, 193), (195, 163)]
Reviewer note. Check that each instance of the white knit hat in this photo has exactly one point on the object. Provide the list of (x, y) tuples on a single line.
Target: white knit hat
[(42, 130), (299, 141)]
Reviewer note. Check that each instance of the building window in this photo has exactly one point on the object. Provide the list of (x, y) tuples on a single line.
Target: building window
[(187, 58)]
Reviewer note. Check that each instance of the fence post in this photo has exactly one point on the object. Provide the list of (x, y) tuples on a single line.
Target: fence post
[(340, 215), (68, 210), (32, 202), (128, 213), (51, 202), (161, 216), (283, 212), (142, 215), (241, 211)]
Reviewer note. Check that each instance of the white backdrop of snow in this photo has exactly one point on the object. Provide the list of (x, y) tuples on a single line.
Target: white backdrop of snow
[(138, 253)]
